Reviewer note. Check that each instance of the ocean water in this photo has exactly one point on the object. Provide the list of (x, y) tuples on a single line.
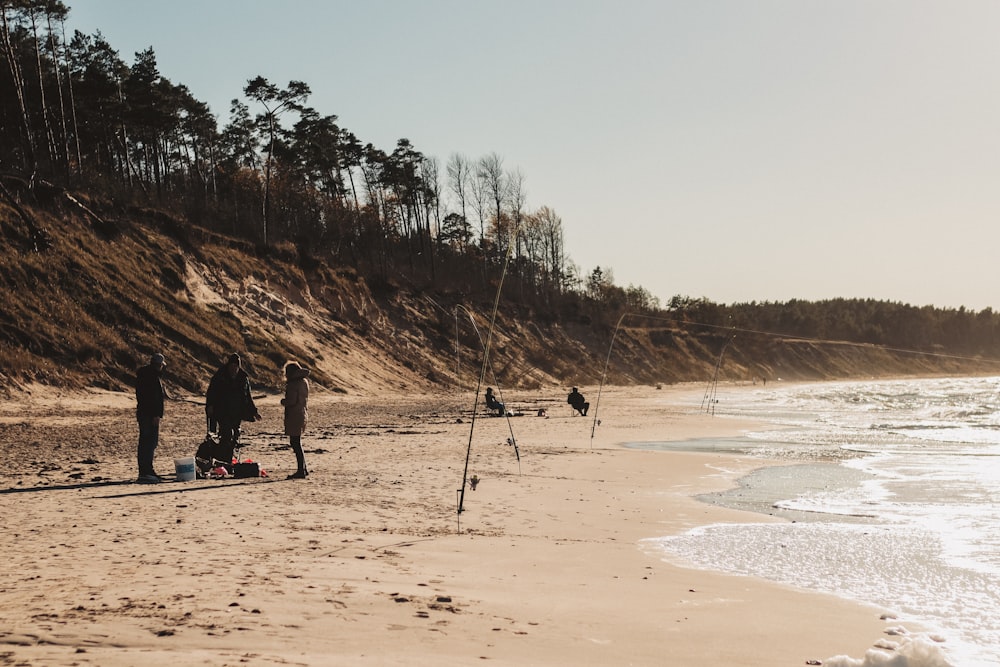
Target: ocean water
[(892, 489)]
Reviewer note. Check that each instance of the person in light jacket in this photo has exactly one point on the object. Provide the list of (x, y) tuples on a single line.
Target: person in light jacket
[(296, 413)]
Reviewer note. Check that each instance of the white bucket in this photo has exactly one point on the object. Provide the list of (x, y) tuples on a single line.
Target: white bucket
[(184, 468)]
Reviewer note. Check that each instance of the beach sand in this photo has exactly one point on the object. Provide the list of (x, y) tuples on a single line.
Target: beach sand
[(368, 561)]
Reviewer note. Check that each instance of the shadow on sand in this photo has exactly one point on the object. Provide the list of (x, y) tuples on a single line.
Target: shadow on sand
[(166, 486)]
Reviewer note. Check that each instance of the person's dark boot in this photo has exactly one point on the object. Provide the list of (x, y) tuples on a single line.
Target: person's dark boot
[(300, 460)]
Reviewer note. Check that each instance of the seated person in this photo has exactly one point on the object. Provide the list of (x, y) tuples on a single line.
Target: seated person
[(493, 404), (576, 399)]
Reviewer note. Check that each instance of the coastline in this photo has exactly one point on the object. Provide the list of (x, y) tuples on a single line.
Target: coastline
[(369, 561)]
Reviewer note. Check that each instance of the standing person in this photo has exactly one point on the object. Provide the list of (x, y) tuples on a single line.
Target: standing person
[(578, 402), (228, 403), (149, 397), (295, 401)]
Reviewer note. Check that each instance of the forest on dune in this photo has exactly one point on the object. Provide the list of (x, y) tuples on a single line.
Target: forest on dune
[(118, 188)]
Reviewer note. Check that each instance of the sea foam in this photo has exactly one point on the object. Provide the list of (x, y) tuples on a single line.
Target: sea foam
[(910, 651), (890, 498)]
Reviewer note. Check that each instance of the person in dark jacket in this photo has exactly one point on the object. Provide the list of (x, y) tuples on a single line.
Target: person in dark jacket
[(296, 413), (576, 400), (228, 403), (149, 399), (493, 404)]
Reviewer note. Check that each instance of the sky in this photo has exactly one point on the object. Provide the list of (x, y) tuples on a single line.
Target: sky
[(733, 150)]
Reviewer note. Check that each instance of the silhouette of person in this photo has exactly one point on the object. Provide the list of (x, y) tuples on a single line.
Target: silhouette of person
[(296, 413), (579, 404), (149, 397), (228, 403), (493, 404)]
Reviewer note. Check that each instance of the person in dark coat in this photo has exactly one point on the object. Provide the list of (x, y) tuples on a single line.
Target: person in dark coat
[(493, 404), (578, 402), (149, 399), (228, 403), (296, 413)]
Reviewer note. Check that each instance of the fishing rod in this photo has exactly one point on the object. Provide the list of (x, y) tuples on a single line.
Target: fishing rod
[(713, 386), (607, 360), (482, 376), (510, 427)]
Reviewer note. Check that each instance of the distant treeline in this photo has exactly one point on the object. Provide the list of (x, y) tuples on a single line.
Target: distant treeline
[(74, 115), (883, 323)]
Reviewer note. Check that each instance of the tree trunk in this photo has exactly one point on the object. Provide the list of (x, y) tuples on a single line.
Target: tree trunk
[(59, 90), (30, 161), (50, 139), (72, 100), (267, 181)]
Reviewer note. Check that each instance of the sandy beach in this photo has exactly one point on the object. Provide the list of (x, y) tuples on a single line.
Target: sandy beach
[(368, 561)]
